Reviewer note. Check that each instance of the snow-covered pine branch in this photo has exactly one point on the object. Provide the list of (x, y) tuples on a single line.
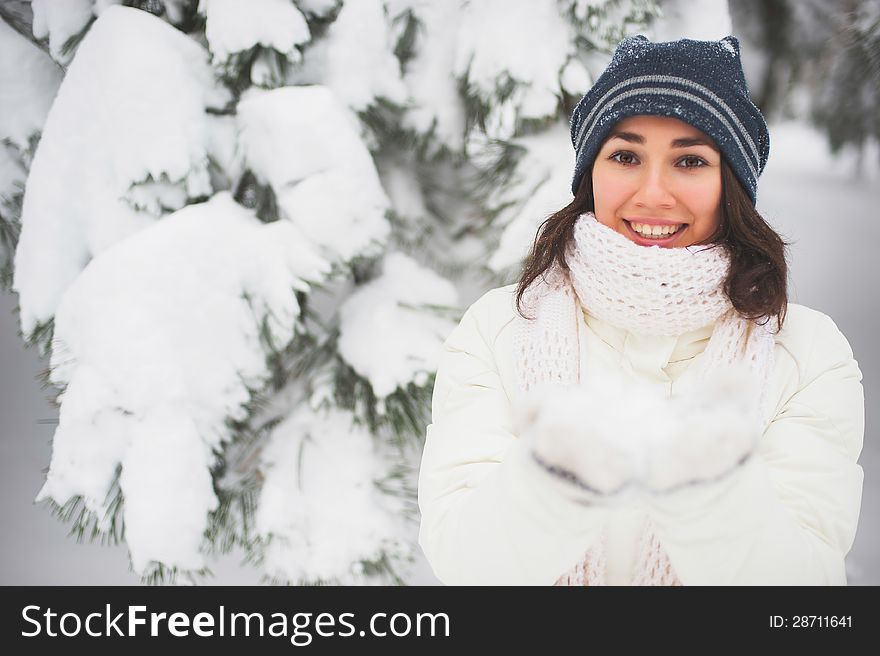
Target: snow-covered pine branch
[(245, 236)]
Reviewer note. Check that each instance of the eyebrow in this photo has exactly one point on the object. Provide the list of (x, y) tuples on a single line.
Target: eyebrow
[(682, 142)]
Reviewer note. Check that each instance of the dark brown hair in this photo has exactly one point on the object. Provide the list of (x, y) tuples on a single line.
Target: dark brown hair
[(757, 282)]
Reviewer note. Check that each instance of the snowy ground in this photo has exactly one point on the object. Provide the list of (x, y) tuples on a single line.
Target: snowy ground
[(817, 202)]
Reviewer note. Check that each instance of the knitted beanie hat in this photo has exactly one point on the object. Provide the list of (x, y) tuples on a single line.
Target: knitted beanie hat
[(698, 82)]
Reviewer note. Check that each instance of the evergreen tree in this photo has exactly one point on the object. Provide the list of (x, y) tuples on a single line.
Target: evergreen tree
[(847, 85), (246, 230), (816, 60)]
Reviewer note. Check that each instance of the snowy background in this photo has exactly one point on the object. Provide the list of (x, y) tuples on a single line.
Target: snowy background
[(824, 204)]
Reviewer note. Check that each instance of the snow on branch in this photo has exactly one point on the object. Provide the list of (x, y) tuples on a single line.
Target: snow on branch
[(387, 333), (355, 58), (233, 26), (157, 343), (320, 512), (130, 113), (306, 146)]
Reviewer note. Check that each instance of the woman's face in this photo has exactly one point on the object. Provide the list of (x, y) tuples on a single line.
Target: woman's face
[(661, 177)]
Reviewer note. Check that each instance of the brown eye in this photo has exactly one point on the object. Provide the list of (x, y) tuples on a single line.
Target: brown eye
[(623, 157), (693, 162)]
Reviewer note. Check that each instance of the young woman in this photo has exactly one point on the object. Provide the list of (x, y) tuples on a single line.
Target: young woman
[(645, 406)]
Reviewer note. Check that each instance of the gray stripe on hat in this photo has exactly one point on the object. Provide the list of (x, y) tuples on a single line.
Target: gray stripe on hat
[(671, 79), (681, 94)]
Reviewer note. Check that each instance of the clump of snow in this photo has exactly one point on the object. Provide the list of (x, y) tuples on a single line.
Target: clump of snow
[(232, 27), (267, 72), (659, 443), (221, 142), (28, 83), (58, 21), (483, 46), (318, 8), (575, 79), (136, 117), (29, 80), (156, 346), (495, 42), (385, 335), (542, 188), (515, 82), (402, 185), (612, 453), (319, 502), (435, 102), (98, 6), (175, 10), (354, 58), (305, 144)]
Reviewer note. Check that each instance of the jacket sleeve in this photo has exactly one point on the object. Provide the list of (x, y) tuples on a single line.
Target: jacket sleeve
[(789, 515), (490, 514)]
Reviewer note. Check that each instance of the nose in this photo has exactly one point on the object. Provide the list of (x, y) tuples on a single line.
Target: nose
[(654, 189)]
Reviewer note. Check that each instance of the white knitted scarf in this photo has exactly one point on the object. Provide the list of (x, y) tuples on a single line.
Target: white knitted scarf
[(644, 290)]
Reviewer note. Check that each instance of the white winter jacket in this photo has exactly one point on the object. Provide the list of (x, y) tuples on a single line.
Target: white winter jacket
[(491, 515)]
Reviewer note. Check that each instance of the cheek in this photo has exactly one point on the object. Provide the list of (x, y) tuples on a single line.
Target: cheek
[(705, 197), (610, 192), (704, 203)]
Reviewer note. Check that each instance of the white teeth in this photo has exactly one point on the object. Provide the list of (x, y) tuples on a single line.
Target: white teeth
[(654, 231)]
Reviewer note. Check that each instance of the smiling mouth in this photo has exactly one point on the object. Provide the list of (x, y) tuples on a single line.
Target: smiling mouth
[(649, 235)]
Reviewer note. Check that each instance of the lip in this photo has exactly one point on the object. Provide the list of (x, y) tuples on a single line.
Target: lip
[(644, 241)]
